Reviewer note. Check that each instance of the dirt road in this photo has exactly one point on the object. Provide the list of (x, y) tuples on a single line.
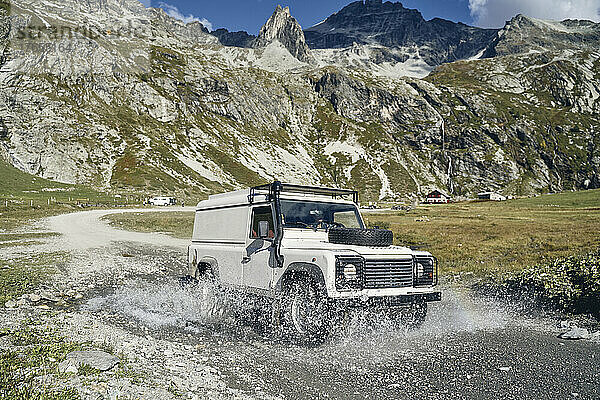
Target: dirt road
[(467, 348)]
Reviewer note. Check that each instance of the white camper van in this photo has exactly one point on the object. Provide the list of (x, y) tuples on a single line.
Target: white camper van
[(308, 250)]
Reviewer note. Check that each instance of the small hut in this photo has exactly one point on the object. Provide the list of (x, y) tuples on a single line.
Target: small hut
[(437, 197)]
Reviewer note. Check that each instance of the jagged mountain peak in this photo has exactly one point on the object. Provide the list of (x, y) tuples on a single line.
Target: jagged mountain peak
[(283, 27), (234, 39), (565, 26), (280, 9)]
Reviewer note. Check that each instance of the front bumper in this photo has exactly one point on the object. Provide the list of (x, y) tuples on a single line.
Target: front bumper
[(390, 301)]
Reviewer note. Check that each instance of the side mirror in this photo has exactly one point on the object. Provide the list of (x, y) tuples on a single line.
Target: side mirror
[(263, 229)]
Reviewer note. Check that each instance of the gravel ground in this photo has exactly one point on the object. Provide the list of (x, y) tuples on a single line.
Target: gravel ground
[(122, 291)]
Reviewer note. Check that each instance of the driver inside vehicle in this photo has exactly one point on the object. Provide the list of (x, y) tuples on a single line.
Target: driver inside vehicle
[(262, 214), (316, 219)]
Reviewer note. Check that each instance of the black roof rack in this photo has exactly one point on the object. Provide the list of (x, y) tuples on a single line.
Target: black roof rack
[(278, 187)]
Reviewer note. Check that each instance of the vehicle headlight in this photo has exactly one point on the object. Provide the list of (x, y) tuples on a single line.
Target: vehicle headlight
[(348, 272), (425, 271)]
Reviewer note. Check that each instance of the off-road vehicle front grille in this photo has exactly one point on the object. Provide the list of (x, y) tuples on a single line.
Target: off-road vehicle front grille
[(384, 274)]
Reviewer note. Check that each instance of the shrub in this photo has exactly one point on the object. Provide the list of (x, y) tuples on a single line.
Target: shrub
[(572, 283)]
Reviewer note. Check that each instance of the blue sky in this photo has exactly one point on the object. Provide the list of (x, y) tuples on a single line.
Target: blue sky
[(250, 15)]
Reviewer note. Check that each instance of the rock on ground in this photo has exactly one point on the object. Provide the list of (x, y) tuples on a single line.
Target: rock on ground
[(575, 333), (96, 359)]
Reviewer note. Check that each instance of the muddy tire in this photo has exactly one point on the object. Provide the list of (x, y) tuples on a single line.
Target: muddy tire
[(361, 237), (204, 272), (305, 313)]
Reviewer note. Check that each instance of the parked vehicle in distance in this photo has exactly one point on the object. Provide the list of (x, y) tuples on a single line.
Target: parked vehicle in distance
[(162, 201), (306, 250)]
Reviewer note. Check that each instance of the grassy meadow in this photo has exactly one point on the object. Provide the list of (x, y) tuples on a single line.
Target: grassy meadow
[(492, 237), (176, 224), (24, 198)]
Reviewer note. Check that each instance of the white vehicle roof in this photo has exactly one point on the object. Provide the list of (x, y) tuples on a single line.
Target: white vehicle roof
[(240, 198)]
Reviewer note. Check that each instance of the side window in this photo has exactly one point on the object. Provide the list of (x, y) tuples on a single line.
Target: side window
[(261, 214)]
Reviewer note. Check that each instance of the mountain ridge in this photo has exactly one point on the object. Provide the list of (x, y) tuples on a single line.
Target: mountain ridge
[(172, 108)]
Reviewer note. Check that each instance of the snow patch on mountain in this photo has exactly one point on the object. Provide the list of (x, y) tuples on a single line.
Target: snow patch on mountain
[(364, 57)]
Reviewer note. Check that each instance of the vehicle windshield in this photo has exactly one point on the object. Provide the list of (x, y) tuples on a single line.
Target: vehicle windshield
[(319, 215)]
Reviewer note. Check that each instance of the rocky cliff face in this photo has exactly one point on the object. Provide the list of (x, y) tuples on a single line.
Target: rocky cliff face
[(234, 39), (391, 25), (284, 28), (164, 105)]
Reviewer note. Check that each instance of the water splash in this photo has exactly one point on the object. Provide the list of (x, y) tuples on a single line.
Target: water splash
[(160, 305), (374, 338), (199, 307)]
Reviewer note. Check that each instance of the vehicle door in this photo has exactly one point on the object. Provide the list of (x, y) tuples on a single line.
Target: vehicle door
[(258, 258)]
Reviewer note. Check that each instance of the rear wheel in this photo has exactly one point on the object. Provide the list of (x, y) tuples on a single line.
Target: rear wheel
[(204, 272), (212, 304), (305, 312)]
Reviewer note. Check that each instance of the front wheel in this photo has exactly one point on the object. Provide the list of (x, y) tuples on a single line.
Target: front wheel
[(305, 312)]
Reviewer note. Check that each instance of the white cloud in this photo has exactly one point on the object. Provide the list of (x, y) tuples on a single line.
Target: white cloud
[(174, 12), (494, 13)]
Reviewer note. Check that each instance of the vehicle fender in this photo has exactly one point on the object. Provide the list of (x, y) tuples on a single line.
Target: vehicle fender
[(312, 270)]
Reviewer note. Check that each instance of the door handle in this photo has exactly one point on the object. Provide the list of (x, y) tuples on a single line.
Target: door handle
[(246, 260)]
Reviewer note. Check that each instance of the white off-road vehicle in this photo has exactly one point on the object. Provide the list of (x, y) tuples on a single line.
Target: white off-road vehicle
[(307, 251)]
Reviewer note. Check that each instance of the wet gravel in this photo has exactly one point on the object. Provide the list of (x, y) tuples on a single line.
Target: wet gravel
[(466, 349)]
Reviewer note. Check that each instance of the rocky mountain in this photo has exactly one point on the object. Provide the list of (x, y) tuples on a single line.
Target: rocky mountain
[(123, 97), (390, 25), (524, 34), (234, 39), (284, 28)]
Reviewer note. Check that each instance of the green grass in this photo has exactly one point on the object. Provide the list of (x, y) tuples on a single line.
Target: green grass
[(176, 224), (24, 197), (571, 283), (25, 236), (15, 216), (35, 352), (29, 368), (489, 238), (25, 274)]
